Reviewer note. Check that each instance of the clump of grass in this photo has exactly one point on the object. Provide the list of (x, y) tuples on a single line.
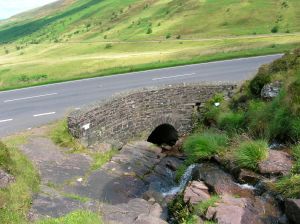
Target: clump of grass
[(101, 158), (296, 154), (204, 145), (77, 217), (289, 186), (15, 200), (250, 153), (60, 135), (179, 210), (231, 122), (201, 208)]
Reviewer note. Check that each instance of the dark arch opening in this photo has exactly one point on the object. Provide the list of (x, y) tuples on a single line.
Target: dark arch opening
[(164, 134)]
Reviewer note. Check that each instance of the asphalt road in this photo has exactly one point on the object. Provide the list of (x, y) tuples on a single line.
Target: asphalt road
[(31, 107)]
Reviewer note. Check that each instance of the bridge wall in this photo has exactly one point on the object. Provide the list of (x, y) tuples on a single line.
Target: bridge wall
[(136, 114)]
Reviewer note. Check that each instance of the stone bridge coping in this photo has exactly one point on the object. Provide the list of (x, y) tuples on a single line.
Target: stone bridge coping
[(126, 93)]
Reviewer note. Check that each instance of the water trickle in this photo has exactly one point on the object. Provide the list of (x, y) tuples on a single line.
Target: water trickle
[(187, 176)]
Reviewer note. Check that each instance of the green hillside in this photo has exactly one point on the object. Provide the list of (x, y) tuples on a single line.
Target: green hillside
[(77, 39)]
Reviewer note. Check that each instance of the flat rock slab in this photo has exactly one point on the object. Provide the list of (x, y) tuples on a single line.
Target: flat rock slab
[(51, 203), (112, 190), (135, 211), (54, 165), (278, 163)]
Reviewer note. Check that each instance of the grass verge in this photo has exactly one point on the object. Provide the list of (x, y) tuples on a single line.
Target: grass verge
[(224, 55), (77, 217), (15, 201)]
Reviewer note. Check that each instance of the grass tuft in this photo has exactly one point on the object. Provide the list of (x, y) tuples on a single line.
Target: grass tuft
[(60, 135), (289, 186), (204, 145), (250, 153)]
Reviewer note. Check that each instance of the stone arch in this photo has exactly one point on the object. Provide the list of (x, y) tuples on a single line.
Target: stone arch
[(164, 134)]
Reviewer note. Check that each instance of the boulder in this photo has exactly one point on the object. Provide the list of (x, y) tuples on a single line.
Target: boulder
[(234, 211), (5, 179), (278, 163), (220, 181), (270, 91), (196, 192), (292, 209), (231, 210), (148, 219), (250, 177)]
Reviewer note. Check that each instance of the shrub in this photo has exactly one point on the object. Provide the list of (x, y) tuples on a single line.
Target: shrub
[(108, 46), (275, 29), (149, 31), (231, 122), (204, 145), (262, 78), (289, 186), (211, 112), (257, 118), (168, 36), (250, 153)]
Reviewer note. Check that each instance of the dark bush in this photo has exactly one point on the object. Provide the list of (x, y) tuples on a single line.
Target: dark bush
[(262, 78)]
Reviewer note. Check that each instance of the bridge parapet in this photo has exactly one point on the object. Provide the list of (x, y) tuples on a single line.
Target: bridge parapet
[(128, 115)]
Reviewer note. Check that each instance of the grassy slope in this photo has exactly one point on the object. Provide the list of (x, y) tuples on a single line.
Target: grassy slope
[(73, 43)]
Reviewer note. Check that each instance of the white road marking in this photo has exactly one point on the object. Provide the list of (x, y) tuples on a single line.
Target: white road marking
[(30, 97), (174, 76), (44, 114), (7, 120)]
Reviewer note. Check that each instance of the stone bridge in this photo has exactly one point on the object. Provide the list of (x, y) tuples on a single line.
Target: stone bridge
[(135, 114)]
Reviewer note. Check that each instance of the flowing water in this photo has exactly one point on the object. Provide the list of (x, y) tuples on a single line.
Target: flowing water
[(187, 176)]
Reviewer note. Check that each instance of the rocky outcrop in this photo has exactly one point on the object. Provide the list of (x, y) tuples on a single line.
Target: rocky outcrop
[(278, 163), (5, 179), (196, 192), (271, 90), (292, 209), (249, 177), (221, 182), (231, 210), (137, 211)]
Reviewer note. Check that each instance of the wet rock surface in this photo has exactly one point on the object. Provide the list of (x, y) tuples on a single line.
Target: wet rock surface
[(278, 163), (115, 190), (292, 209), (5, 179), (221, 182)]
